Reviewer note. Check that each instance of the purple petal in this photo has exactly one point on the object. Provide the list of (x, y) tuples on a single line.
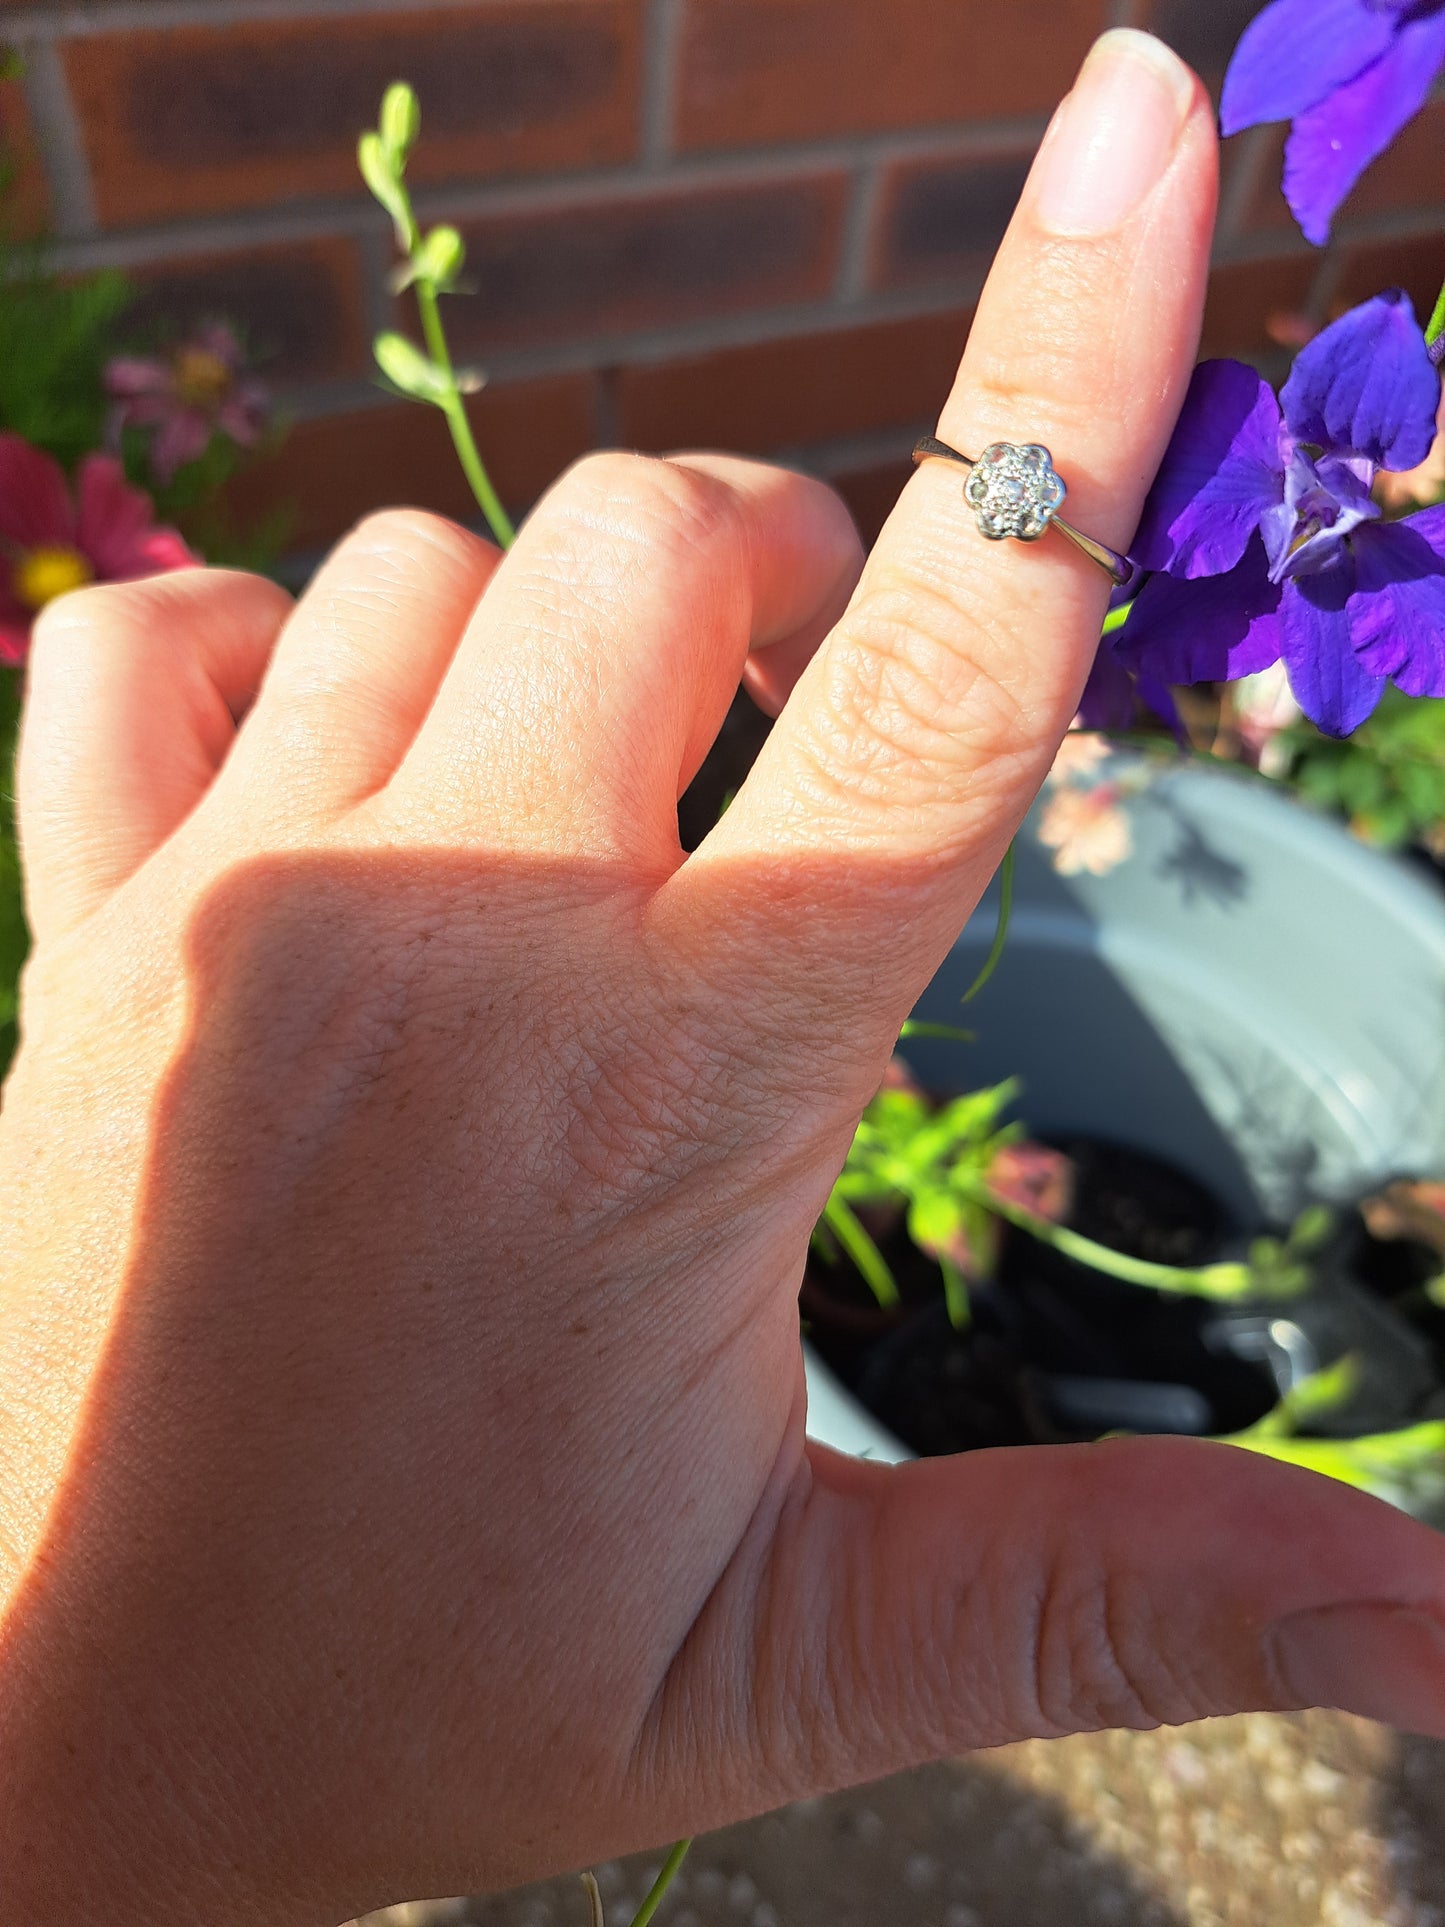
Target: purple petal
[(1330, 683), (1108, 701), (1212, 629), (1329, 497), (1298, 51), (1367, 386), (1397, 613), (1112, 696), (1334, 141), (1222, 471)]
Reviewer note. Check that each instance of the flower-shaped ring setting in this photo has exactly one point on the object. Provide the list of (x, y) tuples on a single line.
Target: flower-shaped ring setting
[(1016, 494)]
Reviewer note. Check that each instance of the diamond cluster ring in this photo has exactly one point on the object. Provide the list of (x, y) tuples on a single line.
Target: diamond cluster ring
[(1016, 494)]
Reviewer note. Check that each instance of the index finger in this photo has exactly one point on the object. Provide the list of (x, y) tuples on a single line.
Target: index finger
[(920, 732)]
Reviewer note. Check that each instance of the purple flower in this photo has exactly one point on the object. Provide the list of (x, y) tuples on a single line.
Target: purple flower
[(1268, 542), (201, 389), (1349, 74)]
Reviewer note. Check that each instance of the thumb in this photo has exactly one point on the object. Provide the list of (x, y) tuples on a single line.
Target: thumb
[(897, 1615)]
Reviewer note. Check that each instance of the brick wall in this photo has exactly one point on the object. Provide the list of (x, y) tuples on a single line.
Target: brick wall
[(751, 223)]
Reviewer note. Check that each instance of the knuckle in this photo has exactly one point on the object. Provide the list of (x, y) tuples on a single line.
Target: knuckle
[(71, 620), (619, 493), (913, 683), (404, 532)]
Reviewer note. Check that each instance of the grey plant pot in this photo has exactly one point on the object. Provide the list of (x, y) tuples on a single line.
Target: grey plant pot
[(1254, 996)]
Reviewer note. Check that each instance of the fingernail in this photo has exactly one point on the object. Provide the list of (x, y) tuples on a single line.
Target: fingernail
[(1112, 139), (1386, 1663)]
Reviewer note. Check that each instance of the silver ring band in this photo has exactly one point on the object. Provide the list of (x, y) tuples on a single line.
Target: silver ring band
[(1016, 494)]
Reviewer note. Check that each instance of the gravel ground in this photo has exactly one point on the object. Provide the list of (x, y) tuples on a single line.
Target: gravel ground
[(1313, 1821)]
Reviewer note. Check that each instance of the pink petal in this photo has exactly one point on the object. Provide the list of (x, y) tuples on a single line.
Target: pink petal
[(218, 338), (116, 530), (240, 422), (183, 435), (15, 622), (162, 552), (131, 375), (35, 506)]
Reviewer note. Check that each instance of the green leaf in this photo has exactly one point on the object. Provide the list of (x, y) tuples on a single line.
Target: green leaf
[(440, 258), (55, 339), (869, 1261), (380, 176), (935, 1222), (408, 369), (955, 1296), (948, 1033), (1311, 1229), (1000, 935), (400, 122)]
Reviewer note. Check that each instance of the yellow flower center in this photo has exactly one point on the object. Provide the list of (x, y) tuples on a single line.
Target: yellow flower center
[(43, 574), (202, 379)]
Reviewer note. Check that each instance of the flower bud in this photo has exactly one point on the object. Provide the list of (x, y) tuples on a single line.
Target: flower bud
[(379, 173), (407, 368), (400, 121), (440, 258)]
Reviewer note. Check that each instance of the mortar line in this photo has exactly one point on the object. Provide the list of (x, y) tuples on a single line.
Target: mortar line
[(1245, 179), (564, 192), (57, 135), (859, 227), (72, 22), (663, 51), (683, 342)]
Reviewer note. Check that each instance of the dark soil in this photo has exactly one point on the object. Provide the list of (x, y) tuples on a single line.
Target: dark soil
[(1057, 1353)]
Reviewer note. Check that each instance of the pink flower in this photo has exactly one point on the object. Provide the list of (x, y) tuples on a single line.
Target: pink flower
[(1086, 830), (1264, 705), (1080, 755), (49, 543), (196, 391), (1035, 1178)]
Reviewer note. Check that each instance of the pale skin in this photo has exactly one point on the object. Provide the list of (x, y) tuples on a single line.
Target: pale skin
[(410, 1161)]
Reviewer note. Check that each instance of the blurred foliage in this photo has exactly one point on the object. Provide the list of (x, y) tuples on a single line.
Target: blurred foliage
[(55, 339), (1388, 779)]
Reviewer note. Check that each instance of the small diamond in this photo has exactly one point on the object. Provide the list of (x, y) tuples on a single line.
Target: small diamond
[(1015, 491)]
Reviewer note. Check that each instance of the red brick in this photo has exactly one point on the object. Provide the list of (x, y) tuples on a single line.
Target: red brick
[(783, 70), (1417, 266), (27, 201), (333, 470), (942, 220), (1243, 297), (871, 494), (593, 270), (298, 309), (188, 120), (786, 394), (1410, 173)]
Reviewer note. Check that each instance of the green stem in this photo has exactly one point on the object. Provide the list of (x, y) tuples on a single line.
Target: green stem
[(454, 408), (868, 1260), (1436, 325), (1221, 1282), (955, 1295), (1000, 935), (660, 1886)]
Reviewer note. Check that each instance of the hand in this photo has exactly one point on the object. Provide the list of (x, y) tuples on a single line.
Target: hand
[(410, 1162)]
